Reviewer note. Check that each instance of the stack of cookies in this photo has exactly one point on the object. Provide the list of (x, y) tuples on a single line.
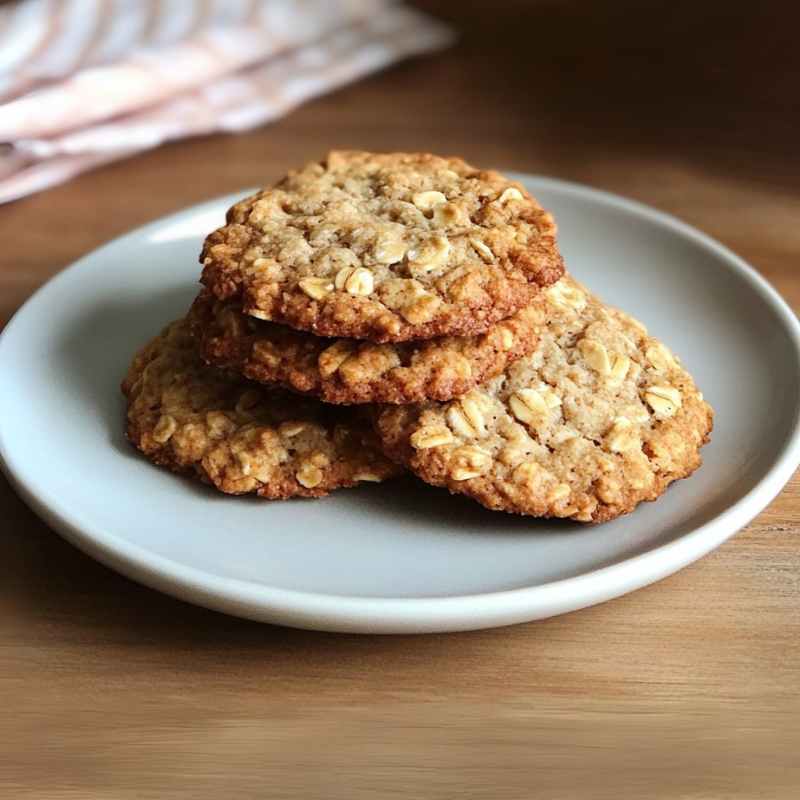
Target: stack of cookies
[(374, 313)]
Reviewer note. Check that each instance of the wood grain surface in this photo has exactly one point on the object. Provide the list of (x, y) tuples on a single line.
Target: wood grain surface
[(687, 689)]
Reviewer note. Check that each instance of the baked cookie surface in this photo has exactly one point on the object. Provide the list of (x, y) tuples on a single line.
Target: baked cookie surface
[(238, 436), (355, 371), (386, 247), (599, 418)]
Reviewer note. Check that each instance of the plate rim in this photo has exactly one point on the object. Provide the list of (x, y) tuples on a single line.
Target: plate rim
[(360, 614)]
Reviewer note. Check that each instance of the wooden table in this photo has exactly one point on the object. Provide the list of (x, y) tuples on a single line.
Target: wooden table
[(687, 689)]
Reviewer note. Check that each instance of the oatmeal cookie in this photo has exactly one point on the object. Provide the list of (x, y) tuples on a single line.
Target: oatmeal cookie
[(238, 436), (355, 371), (384, 247), (597, 419)]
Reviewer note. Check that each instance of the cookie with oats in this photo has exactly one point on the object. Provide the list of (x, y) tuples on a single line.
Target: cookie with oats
[(385, 247), (238, 436), (597, 419), (352, 370)]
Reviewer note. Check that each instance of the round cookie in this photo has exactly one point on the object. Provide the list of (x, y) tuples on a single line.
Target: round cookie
[(240, 437), (385, 247), (354, 371), (597, 419)]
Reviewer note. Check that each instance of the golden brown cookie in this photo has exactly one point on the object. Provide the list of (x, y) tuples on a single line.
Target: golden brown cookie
[(355, 371), (385, 247), (238, 436), (597, 419)]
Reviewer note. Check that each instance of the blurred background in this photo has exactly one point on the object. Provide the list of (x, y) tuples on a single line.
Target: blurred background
[(684, 690), (689, 106)]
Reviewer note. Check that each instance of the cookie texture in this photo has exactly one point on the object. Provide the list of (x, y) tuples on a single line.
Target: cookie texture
[(597, 419), (355, 371), (385, 247), (240, 437)]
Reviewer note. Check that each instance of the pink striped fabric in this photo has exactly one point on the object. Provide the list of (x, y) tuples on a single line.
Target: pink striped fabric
[(85, 82)]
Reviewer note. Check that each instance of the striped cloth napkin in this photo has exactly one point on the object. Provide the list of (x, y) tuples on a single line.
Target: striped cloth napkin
[(86, 82)]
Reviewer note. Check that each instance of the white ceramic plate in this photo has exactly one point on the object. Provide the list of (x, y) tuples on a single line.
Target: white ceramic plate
[(403, 556)]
